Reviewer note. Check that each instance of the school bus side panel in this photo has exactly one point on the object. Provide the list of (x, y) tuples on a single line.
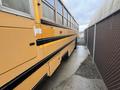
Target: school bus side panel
[(17, 41)]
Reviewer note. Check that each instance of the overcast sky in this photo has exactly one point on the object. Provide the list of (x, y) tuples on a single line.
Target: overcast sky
[(83, 10)]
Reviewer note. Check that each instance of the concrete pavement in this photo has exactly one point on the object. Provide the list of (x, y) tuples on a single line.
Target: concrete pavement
[(65, 78)]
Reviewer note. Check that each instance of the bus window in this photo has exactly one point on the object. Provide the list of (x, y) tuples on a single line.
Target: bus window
[(69, 20), (65, 14), (59, 13), (59, 8), (65, 17), (72, 21), (48, 10), (17, 5), (69, 24)]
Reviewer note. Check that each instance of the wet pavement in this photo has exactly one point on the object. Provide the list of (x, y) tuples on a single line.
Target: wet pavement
[(76, 73)]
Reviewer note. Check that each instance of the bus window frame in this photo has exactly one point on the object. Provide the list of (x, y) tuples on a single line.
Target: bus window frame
[(56, 12), (19, 13), (51, 7)]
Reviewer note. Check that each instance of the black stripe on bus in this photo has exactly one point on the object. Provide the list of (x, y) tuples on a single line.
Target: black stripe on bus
[(47, 22), (20, 78), (50, 39)]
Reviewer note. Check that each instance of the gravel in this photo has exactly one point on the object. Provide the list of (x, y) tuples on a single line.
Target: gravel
[(88, 69)]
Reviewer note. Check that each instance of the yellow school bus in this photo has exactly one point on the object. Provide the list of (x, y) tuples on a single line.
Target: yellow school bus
[(34, 37)]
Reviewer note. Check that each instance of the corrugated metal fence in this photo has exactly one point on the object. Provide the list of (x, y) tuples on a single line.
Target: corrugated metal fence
[(107, 49)]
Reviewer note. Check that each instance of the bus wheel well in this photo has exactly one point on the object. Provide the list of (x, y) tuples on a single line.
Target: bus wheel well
[(65, 56)]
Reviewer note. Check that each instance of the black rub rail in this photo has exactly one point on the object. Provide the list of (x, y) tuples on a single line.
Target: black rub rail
[(50, 39)]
